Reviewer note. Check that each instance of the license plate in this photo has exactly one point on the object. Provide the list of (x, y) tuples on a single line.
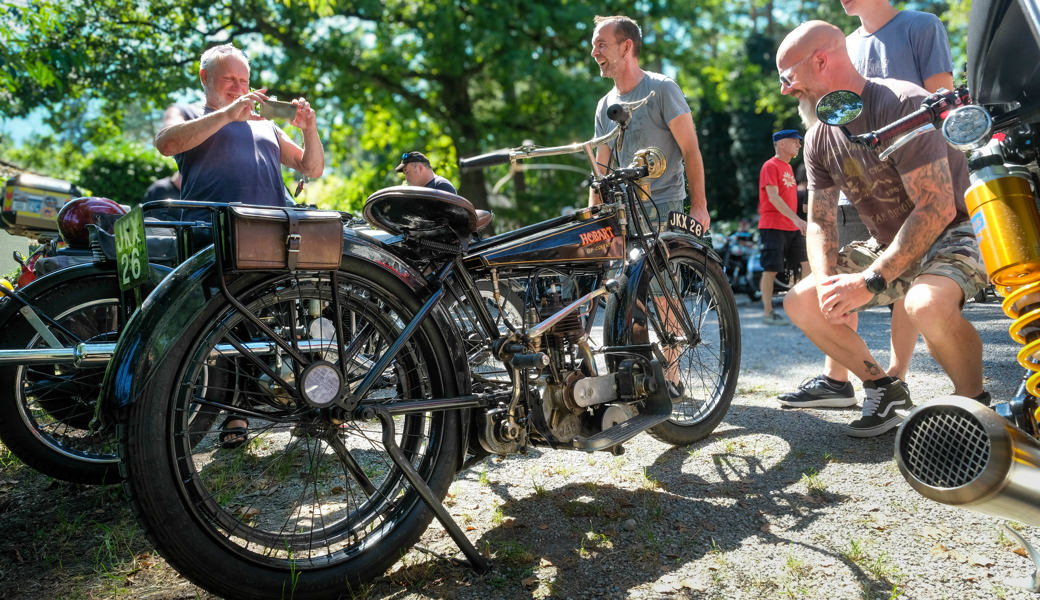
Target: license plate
[(678, 221), (131, 249)]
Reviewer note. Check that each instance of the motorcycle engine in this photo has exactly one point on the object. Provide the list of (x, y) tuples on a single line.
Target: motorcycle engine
[(570, 389)]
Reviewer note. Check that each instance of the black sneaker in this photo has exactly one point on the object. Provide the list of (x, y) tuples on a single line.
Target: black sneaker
[(675, 391), (883, 408), (820, 392)]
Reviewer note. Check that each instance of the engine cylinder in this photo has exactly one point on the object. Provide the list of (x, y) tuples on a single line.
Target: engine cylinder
[(959, 452)]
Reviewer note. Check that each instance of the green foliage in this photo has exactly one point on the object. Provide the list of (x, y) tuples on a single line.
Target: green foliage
[(122, 171), (453, 79)]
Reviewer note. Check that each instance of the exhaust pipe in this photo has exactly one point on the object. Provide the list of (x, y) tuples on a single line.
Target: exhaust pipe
[(959, 452)]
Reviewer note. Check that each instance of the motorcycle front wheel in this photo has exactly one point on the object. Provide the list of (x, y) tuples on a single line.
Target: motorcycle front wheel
[(46, 411), (703, 371), (305, 502)]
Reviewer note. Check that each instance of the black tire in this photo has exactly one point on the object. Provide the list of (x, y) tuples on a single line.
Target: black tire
[(708, 369), (46, 410), (309, 507)]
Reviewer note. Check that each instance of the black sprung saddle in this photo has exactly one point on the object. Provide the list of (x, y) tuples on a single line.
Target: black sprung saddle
[(425, 213)]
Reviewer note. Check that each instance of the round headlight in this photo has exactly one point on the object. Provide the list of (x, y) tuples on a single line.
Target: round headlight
[(967, 127)]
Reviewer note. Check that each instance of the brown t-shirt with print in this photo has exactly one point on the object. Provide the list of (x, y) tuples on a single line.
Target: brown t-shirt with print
[(874, 186)]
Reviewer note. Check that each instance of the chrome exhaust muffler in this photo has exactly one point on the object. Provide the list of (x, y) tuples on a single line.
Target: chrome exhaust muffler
[(959, 452)]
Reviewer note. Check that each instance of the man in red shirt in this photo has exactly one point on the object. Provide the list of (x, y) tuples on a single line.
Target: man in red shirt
[(781, 231)]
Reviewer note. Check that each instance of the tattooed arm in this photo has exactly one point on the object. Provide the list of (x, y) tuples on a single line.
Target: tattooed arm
[(821, 233), (930, 187)]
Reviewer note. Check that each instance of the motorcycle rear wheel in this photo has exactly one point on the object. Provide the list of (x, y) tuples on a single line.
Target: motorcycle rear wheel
[(707, 370), (46, 410), (309, 506)]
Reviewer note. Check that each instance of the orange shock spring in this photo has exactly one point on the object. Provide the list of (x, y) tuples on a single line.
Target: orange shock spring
[(1007, 225)]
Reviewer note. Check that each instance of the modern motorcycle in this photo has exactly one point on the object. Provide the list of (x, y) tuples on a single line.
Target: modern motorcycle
[(955, 450)]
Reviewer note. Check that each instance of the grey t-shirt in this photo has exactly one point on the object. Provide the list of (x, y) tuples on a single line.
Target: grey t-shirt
[(913, 46), (649, 127)]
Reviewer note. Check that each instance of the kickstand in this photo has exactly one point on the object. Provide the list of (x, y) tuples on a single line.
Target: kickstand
[(476, 561), (1030, 583)]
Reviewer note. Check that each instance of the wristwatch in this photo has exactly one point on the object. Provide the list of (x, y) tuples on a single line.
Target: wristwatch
[(875, 282)]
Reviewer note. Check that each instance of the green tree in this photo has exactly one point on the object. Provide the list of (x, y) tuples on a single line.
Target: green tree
[(454, 79), (122, 171)]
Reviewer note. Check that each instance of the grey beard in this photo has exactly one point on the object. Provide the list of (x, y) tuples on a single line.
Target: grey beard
[(807, 111)]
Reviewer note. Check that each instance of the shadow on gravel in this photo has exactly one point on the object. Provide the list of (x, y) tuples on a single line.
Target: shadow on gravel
[(595, 540), (752, 482)]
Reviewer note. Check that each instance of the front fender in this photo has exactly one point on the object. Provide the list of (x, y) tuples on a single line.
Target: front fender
[(625, 308), (183, 295)]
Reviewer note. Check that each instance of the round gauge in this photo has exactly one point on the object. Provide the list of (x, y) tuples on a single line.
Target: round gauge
[(967, 127), (321, 383)]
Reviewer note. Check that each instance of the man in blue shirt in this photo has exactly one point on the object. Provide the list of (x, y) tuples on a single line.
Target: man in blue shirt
[(225, 151)]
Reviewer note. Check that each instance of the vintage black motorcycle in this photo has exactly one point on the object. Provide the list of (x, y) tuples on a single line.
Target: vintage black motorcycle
[(955, 450), (369, 383)]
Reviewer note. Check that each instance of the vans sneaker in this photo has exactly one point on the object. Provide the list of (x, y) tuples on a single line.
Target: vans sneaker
[(880, 406), (820, 391)]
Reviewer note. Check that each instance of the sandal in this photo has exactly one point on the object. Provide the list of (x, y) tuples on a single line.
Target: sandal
[(233, 437)]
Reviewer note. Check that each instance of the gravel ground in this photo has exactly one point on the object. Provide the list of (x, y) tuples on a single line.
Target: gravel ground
[(777, 503)]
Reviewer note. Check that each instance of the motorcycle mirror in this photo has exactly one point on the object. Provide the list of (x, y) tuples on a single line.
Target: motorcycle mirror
[(839, 108)]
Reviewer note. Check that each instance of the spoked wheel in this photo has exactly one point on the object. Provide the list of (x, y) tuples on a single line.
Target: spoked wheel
[(47, 411), (310, 503), (702, 372)]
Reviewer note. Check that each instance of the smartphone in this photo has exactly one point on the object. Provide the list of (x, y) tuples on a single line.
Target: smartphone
[(274, 109)]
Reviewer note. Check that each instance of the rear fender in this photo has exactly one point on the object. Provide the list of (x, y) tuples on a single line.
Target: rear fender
[(183, 296), (42, 286)]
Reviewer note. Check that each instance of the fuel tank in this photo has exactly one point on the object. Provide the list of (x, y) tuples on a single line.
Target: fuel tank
[(586, 237)]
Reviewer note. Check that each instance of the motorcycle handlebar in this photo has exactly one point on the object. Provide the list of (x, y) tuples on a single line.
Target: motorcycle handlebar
[(919, 117), (931, 111), (620, 112), (490, 159)]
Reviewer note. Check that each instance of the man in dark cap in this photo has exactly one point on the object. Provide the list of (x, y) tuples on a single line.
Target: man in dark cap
[(417, 171), (781, 231)]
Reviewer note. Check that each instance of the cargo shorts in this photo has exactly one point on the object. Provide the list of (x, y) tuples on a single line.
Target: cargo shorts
[(954, 255)]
